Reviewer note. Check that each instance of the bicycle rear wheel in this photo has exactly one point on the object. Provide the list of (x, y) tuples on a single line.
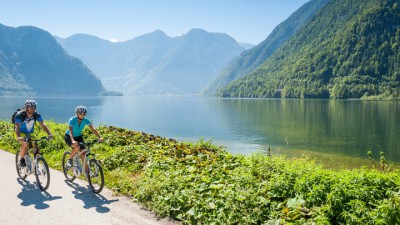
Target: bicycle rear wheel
[(42, 173), (20, 171), (68, 171), (95, 176)]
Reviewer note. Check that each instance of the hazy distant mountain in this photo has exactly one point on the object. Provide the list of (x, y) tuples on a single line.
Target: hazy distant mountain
[(102, 57), (32, 62), (350, 49), (251, 59), (187, 67), (246, 46), (155, 63)]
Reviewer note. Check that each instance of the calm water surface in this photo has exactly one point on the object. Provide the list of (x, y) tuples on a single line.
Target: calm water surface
[(341, 130)]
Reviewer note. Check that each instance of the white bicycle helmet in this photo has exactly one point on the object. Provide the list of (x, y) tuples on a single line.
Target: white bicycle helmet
[(30, 103), (80, 109)]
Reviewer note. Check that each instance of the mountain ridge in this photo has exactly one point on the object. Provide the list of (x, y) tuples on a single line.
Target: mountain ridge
[(29, 56), (157, 64)]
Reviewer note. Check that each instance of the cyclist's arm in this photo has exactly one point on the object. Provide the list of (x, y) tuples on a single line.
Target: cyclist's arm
[(16, 129), (18, 132), (45, 128), (95, 132), (71, 134)]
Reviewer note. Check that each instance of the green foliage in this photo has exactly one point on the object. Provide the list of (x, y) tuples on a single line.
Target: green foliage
[(350, 49), (382, 160), (199, 183)]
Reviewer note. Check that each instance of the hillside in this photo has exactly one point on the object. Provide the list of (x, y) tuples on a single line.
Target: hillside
[(32, 62), (350, 49), (155, 63), (254, 57)]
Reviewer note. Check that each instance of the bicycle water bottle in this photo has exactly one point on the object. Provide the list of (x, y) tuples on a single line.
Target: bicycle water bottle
[(77, 166)]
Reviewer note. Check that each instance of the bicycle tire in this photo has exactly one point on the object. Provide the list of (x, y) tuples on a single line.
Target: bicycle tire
[(20, 173), (42, 171), (95, 171), (68, 171)]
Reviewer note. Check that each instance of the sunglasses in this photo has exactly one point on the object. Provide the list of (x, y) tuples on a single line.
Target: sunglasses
[(31, 107), (82, 114)]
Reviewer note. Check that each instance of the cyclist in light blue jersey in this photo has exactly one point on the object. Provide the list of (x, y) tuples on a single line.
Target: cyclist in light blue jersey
[(73, 135)]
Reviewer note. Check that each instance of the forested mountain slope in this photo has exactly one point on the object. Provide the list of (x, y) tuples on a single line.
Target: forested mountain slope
[(32, 62), (254, 57), (350, 49)]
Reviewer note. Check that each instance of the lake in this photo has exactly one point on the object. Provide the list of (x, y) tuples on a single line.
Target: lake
[(329, 130)]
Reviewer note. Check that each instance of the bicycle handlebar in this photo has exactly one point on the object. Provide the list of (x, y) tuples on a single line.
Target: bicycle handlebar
[(36, 140), (90, 143)]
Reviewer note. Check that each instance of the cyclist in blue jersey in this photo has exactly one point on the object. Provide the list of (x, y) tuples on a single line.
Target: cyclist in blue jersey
[(24, 126), (73, 135)]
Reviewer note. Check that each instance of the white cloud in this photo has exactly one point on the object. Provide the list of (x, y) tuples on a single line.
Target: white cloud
[(114, 40)]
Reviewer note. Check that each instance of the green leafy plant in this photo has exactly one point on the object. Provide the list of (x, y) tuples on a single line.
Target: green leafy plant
[(199, 183), (372, 159)]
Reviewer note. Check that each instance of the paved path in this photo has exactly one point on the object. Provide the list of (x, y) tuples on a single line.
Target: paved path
[(22, 202)]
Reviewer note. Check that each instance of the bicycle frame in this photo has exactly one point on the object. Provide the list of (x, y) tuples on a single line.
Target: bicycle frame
[(31, 164), (36, 165), (85, 161), (87, 155)]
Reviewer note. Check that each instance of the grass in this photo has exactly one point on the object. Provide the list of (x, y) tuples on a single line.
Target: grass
[(199, 183)]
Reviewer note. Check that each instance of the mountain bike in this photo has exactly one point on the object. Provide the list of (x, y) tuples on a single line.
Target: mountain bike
[(36, 164), (90, 167)]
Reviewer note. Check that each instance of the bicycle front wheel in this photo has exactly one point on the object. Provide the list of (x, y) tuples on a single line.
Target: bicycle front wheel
[(42, 173), (95, 176), (68, 171), (20, 171)]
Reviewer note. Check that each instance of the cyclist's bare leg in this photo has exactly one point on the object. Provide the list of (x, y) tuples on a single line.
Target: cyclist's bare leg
[(75, 149), (83, 160), (22, 149)]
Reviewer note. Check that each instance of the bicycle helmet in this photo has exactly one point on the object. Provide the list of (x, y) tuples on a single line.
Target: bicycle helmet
[(30, 103), (80, 109)]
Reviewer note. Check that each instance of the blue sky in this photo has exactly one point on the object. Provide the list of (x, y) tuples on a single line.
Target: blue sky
[(245, 20)]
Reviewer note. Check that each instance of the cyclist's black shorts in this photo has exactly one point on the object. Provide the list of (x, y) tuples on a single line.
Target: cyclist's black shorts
[(67, 139)]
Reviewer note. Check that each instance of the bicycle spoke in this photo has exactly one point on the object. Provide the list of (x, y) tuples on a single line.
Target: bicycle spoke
[(42, 174), (20, 171), (68, 171), (95, 176)]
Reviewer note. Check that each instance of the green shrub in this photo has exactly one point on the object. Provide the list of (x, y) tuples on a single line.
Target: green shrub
[(199, 183)]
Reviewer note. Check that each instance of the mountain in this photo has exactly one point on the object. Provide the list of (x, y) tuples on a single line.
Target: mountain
[(154, 63), (254, 57), (32, 62), (143, 58), (102, 57), (350, 49), (246, 46), (193, 61)]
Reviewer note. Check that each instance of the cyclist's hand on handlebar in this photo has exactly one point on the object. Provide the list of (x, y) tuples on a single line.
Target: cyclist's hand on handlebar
[(100, 140)]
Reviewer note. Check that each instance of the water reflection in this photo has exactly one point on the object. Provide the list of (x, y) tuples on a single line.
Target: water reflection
[(340, 127)]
